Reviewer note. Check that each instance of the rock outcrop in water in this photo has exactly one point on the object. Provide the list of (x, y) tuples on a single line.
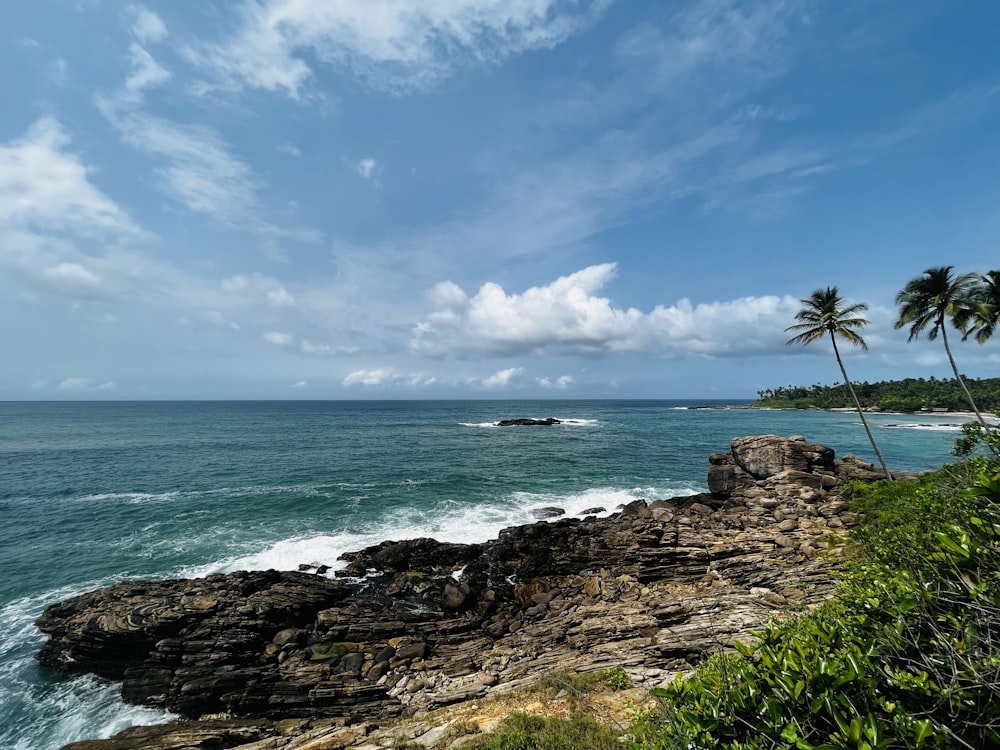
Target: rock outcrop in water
[(284, 659), (524, 422)]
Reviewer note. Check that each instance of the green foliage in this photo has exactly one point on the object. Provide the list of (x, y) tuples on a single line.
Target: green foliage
[(526, 732), (906, 656), (575, 684), (976, 438), (616, 678), (907, 395)]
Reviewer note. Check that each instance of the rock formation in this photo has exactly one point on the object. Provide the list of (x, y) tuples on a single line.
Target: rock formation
[(523, 422), (283, 659)]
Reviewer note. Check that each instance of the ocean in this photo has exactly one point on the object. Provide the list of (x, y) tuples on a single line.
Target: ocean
[(96, 492)]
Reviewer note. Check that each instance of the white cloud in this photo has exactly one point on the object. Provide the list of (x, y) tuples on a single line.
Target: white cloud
[(73, 273), (146, 72), (44, 187), (561, 383), (368, 168), (502, 378), (931, 359), (147, 27), (279, 339), (75, 384), (377, 376), (280, 298), (567, 316), (256, 288), (311, 349), (387, 376), (199, 169), (73, 280), (397, 45), (85, 384), (290, 149), (301, 384)]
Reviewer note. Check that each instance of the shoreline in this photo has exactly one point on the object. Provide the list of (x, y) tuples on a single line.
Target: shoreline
[(687, 575), (970, 415)]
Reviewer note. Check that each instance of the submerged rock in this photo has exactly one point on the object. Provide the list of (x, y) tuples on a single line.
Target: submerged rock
[(547, 422)]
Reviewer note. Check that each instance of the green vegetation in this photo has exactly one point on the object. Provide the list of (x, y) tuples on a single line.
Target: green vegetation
[(907, 395), (580, 731), (906, 656), (824, 313)]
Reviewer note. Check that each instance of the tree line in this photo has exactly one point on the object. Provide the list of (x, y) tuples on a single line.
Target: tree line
[(970, 302), (906, 395)]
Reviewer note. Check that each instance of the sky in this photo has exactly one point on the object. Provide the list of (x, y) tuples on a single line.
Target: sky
[(432, 199)]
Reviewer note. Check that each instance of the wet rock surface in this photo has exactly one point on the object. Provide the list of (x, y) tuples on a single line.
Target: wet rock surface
[(527, 422), (283, 659)]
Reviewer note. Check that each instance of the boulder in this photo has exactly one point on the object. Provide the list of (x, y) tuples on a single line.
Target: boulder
[(765, 455)]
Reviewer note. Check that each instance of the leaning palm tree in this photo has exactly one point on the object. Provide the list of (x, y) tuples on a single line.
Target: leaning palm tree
[(986, 312), (824, 313), (929, 300)]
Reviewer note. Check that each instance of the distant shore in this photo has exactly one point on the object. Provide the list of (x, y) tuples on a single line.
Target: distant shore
[(969, 415)]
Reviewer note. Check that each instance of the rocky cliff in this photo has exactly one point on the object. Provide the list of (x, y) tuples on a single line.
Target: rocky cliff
[(297, 660)]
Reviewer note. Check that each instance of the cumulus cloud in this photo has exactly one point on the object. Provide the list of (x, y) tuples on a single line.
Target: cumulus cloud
[(568, 316), (387, 376), (502, 378), (396, 45)]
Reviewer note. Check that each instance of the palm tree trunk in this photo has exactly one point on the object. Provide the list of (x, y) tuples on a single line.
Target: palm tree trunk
[(972, 403), (857, 405)]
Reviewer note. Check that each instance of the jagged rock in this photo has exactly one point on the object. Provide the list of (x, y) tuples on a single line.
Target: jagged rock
[(418, 624), (851, 468), (766, 455), (726, 478)]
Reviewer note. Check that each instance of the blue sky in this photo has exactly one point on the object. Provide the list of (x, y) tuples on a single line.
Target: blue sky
[(482, 198)]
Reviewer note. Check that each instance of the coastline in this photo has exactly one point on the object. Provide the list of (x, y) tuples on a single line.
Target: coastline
[(414, 627)]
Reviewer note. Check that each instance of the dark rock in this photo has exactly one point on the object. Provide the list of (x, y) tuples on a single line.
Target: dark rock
[(547, 422), (549, 511)]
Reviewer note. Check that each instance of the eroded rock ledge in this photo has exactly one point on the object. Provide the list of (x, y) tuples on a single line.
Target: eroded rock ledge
[(274, 659)]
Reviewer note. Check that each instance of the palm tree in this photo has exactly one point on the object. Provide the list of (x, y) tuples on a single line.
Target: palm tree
[(824, 313), (928, 300), (986, 313)]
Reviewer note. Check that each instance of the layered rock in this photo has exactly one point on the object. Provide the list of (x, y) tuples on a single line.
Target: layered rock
[(415, 625)]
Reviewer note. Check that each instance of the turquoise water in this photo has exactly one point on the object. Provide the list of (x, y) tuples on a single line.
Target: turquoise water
[(92, 493)]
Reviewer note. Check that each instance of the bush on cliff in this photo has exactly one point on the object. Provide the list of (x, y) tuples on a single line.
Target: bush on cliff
[(906, 656)]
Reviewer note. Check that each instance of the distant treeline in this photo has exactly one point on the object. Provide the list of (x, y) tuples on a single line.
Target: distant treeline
[(910, 394)]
